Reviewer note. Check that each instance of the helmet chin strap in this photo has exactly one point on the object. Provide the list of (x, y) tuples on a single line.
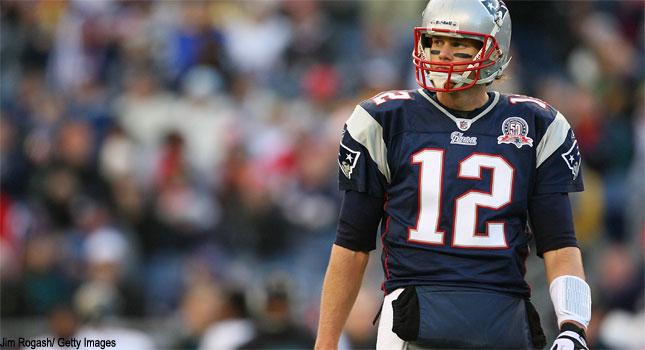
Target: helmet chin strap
[(493, 76), (439, 79)]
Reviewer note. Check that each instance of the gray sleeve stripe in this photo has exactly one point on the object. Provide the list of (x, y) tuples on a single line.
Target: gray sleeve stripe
[(369, 133), (553, 138)]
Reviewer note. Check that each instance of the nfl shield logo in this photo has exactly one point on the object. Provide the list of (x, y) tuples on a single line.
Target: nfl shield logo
[(463, 125)]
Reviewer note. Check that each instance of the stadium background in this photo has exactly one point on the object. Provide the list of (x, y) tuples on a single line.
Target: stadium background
[(162, 159)]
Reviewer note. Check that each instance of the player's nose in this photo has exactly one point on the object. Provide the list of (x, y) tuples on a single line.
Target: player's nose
[(445, 53)]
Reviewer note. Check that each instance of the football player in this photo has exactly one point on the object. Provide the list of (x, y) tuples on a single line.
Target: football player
[(460, 179)]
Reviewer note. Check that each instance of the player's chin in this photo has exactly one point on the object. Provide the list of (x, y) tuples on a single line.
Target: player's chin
[(449, 85)]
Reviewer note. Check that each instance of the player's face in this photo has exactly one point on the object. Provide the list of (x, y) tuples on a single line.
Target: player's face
[(448, 49)]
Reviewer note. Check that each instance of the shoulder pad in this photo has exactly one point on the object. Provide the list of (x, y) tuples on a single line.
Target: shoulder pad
[(534, 105), (364, 129), (389, 100)]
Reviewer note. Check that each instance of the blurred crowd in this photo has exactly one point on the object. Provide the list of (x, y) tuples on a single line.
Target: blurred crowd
[(168, 168)]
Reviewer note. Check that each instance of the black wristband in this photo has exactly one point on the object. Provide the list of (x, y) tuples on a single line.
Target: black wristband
[(568, 326)]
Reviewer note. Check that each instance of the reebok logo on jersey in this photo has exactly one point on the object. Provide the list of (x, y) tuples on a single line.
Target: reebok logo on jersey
[(347, 160), (458, 138)]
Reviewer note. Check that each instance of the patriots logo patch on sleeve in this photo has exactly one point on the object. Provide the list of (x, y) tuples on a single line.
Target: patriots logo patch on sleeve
[(572, 158), (347, 160)]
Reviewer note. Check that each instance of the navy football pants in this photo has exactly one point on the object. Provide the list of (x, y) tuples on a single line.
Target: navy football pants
[(458, 319)]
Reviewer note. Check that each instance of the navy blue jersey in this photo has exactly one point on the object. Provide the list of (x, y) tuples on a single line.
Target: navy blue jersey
[(456, 190)]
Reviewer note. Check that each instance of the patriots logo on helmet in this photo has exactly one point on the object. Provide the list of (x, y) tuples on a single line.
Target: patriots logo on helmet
[(573, 159), (496, 8), (347, 160)]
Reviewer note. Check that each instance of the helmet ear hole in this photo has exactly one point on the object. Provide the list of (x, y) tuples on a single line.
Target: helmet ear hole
[(426, 41), (479, 45)]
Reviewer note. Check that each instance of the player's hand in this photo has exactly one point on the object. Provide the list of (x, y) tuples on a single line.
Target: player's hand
[(569, 340)]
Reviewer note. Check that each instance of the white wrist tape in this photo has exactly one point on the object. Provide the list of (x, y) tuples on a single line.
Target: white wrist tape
[(571, 299)]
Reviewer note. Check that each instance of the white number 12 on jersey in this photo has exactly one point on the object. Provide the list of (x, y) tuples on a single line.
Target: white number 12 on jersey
[(465, 233)]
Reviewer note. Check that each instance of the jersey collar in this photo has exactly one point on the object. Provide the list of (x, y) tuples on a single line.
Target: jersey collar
[(463, 124)]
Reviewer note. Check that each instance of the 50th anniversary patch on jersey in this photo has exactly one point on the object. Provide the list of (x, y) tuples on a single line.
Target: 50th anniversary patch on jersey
[(347, 160), (515, 131)]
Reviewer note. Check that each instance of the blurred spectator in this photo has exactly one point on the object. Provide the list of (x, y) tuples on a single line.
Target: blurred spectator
[(206, 118), (81, 44), (622, 330), (621, 279), (107, 290), (257, 34), (44, 283), (179, 219), (233, 326), (144, 110), (196, 41), (199, 308), (124, 338), (277, 328), (62, 322), (15, 168), (252, 224)]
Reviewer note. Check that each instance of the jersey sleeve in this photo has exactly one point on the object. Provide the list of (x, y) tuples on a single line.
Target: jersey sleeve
[(551, 219), (360, 215), (558, 159), (362, 155)]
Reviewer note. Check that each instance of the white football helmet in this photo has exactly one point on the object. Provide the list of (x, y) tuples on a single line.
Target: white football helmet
[(487, 21)]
